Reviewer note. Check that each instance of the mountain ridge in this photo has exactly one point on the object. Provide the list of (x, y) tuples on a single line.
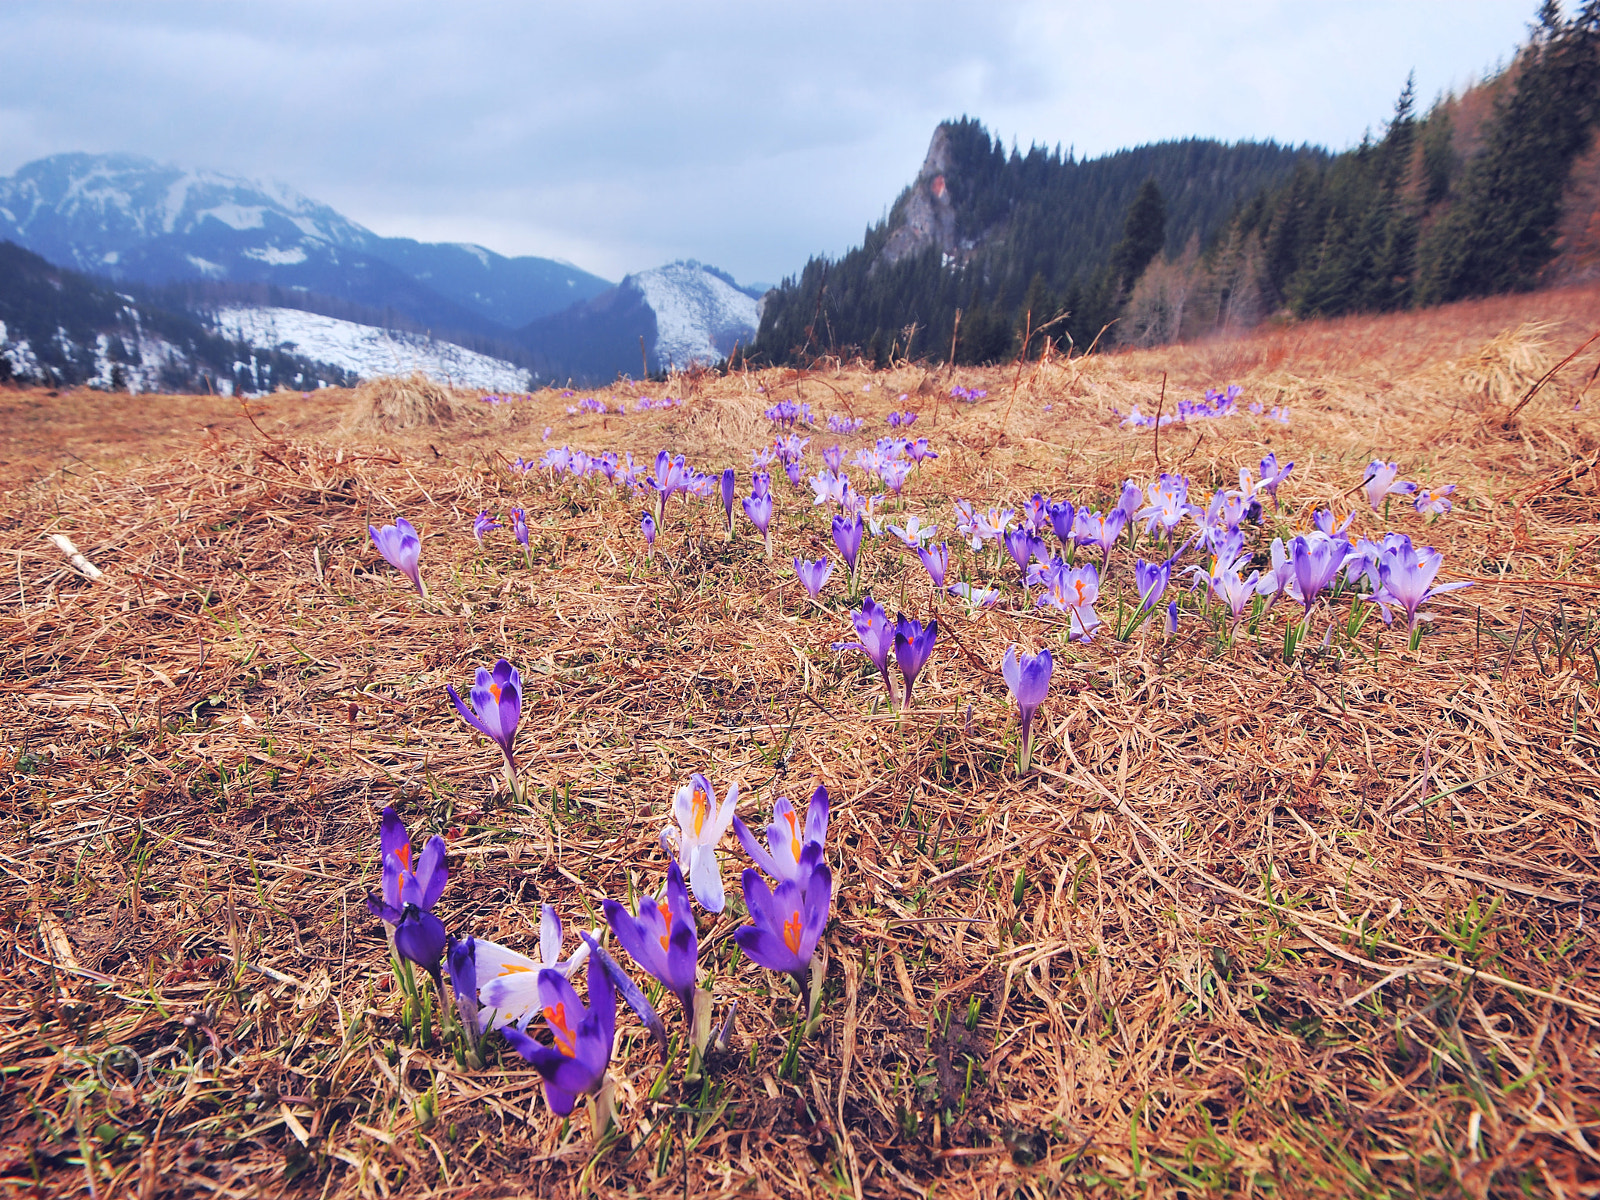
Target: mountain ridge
[(131, 218)]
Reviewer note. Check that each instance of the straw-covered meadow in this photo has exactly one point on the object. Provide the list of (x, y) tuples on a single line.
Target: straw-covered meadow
[(1115, 808)]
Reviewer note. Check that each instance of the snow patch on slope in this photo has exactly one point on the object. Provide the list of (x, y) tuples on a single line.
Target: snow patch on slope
[(275, 256), (235, 216), (367, 350), (699, 315)]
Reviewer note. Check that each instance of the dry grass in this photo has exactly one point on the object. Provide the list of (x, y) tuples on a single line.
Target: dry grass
[(1326, 930)]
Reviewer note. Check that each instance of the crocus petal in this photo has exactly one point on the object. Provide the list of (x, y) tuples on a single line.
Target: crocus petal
[(706, 878), (467, 715), (431, 873), (550, 935), (755, 849)]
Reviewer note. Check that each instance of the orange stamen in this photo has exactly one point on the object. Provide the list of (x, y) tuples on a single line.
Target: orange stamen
[(494, 690), (666, 917), (404, 855), (791, 932), (566, 1040), (794, 834), (701, 808)]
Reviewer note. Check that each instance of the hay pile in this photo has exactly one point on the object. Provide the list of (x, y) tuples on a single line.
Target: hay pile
[(392, 405)]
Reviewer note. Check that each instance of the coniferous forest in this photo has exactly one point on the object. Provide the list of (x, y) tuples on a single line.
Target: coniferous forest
[(1185, 239)]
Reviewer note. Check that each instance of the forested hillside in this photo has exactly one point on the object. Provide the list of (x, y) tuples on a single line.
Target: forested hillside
[(1479, 195), (993, 234), (1466, 200)]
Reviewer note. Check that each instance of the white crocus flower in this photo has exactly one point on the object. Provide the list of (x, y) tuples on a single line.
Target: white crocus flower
[(699, 826), (508, 982)]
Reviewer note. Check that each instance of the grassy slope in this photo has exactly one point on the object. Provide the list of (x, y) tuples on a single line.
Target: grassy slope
[(1218, 858)]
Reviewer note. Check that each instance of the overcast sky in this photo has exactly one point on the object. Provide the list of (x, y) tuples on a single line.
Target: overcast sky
[(621, 135)]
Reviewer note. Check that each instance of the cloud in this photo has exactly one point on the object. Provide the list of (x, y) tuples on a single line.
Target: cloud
[(620, 135)]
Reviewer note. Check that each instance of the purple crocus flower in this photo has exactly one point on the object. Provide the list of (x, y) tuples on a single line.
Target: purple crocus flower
[(662, 939), (1316, 563), (876, 638), (408, 881), (728, 483), (519, 527), (1036, 513), (813, 576), (1322, 519), (497, 700), (976, 597), (482, 525), (833, 458), (647, 526), (913, 645), (796, 472), (1434, 502), (463, 956), (1063, 519), (1278, 579), (1171, 624), (1225, 584), (936, 559), (1379, 481), (1029, 681), (1020, 544), (787, 839), (1406, 577), (670, 475), (419, 937), (1103, 530), (1130, 500), (1169, 503), (914, 533), (919, 450), (1072, 590), (576, 1064), (758, 507), (894, 474), (1151, 579), (400, 545), (787, 921), (847, 537), (1272, 475)]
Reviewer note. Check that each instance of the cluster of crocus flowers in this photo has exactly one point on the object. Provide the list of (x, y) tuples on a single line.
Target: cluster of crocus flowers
[(908, 641), (402, 549)]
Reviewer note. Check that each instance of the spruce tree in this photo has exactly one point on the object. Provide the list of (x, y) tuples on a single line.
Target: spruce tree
[(1144, 233)]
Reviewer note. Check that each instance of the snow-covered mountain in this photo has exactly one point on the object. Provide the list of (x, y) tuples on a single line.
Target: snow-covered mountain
[(237, 244), (686, 313), (131, 218), (700, 313), (61, 329), (365, 350)]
